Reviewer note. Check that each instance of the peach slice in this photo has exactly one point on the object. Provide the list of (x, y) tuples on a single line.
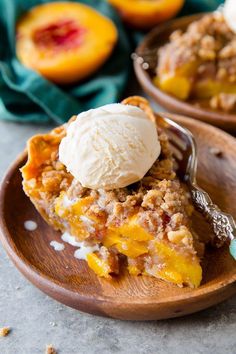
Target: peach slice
[(145, 14), (63, 41), (98, 265), (176, 267)]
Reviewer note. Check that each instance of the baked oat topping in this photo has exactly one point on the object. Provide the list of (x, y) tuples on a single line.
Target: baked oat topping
[(224, 101)]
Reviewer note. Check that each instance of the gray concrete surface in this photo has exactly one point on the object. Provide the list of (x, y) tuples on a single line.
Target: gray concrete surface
[(37, 320)]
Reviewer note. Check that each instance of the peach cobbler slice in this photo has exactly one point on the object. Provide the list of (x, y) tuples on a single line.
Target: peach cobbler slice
[(200, 63), (145, 226)]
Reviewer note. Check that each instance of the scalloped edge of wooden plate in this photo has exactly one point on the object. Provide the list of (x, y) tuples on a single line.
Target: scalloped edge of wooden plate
[(156, 38), (130, 298)]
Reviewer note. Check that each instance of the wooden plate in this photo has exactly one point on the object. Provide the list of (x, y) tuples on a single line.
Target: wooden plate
[(198, 109), (69, 280)]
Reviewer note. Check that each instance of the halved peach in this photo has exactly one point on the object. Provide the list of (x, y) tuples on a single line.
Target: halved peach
[(64, 41), (145, 14)]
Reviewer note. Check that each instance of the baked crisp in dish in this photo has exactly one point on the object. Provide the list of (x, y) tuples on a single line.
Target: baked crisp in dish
[(145, 226), (200, 63)]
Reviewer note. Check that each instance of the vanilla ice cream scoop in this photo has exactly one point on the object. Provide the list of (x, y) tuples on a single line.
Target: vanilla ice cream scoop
[(229, 11), (110, 147)]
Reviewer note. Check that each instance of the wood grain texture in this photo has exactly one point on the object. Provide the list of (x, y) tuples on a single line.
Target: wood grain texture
[(196, 109), (71, 282)]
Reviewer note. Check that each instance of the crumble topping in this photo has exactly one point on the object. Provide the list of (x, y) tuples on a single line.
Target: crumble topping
[(224, 101)]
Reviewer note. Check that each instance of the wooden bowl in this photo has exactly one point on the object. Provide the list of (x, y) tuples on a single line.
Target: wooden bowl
[(126, 297), (196, 109)]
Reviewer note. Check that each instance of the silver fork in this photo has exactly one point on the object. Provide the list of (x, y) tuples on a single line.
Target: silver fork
[(185, 152)]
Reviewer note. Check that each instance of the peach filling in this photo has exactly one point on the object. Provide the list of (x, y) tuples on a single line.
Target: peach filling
[(165, 259)]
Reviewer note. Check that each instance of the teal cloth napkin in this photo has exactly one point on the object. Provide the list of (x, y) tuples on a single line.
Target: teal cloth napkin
[(26, 96), (195, 6)]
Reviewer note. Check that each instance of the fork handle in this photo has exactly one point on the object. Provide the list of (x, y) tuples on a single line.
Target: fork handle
[(223, 224)]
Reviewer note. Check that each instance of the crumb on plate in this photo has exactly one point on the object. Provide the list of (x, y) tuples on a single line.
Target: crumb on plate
[(50, 349), (216, 151), (4, 331)]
